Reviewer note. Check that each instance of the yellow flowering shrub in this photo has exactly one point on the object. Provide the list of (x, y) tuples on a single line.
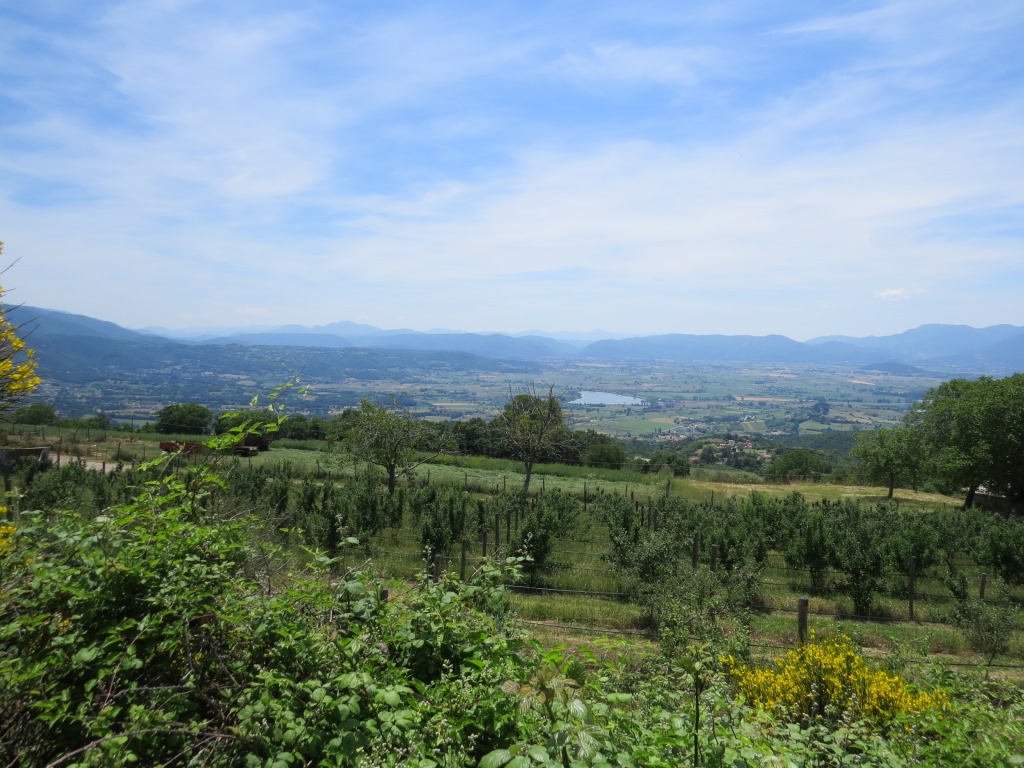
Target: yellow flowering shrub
[(828, 679), (6, 534), (17, 362)]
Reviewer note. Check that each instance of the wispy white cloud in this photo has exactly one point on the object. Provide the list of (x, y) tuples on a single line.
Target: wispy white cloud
[(890, 294), (624, 63), (734, 173)]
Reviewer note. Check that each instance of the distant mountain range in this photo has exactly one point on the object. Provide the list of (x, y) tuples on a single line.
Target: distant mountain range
[(79, 348)]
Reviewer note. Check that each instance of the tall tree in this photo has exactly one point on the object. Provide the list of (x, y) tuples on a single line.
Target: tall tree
[(891, 456), (388, 438), (532, 428), (1005, 421), (951, 420), (184, 419)]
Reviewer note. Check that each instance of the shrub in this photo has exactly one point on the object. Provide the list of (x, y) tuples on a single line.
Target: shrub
[(988, 626), (827, 680)]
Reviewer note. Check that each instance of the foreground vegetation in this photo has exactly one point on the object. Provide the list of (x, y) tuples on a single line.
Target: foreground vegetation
[(173, 629), (175, 613)]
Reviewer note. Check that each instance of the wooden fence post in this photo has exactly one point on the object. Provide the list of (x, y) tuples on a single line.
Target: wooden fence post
[(8, 499), (668, 487), (981, 587), (463, 558), (584, 497), (385, 594), (913, 577), (438, 563), (801, 619), (497, 532), (695, 552), (714, 556), (483, 541)]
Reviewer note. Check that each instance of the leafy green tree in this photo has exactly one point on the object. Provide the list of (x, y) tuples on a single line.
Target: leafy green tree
[(299, 426), (605, 455), (891, 456), (474, 437), (809, 547), (38, 414), (677, 461), (184, 419), (388, 438), (551, 516), (1006, 421), (446, 516), (974, 434), (950, 420), (796, 463), (532, 427), (857, 535)]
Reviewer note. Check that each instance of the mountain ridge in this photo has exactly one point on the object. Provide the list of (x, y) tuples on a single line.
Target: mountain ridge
[(998, 348)]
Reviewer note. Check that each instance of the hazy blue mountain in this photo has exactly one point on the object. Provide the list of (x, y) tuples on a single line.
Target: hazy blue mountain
[(932, 341), (716, 348), (576, 337), (285, 339), (489, 345), (69, 345), (1005, 355), (52, 322), (341, 328)]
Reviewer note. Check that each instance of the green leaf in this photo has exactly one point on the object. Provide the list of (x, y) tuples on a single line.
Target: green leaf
[(496, 759), (85, 656)]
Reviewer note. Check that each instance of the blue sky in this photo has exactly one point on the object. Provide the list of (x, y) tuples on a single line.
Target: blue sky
[(644, 167)]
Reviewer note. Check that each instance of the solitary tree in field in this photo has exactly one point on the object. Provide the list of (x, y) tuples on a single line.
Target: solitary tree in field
[(891, 456), (17, 363), (389, 439), (532, 427)]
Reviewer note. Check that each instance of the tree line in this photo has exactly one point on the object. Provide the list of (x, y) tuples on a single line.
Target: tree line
[(962, 436)]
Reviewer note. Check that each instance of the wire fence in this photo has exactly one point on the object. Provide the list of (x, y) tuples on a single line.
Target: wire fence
[(574, 571)]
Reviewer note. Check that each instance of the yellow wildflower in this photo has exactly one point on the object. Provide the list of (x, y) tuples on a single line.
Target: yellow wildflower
[(826, 680), (6, 536)]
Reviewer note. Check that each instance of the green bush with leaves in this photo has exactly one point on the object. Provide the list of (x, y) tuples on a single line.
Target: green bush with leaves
[(446, 516), (551, 516), (160, 632), (988, 625), (857, 534)]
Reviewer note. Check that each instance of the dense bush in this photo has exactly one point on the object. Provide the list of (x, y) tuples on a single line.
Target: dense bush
[(156, 634), (829, 680)]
